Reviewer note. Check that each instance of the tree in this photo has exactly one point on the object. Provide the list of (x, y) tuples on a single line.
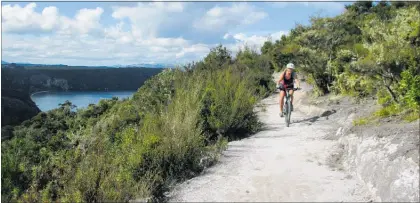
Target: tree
[(398, 4), (360, 7), (390, 51), (219, 56), (267, 47), (67, 104), (383, 10)]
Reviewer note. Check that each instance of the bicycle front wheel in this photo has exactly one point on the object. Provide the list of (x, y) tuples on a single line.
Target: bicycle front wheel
[(288, 111)]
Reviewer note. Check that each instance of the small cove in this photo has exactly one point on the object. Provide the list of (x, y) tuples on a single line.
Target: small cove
[(47, 100)]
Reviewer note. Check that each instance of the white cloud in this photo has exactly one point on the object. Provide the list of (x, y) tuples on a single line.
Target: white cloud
[(226, 36), (218, 18), (17, 19), (277, 35), (253, 41), (69, 40), (199, 50), (164, 42), (116, 33), (118, 36), (84, 21), (91, 50), (21, 19), (146, 18), (135, 38)]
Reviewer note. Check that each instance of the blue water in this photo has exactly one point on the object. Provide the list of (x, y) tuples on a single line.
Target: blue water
[(50, 100)]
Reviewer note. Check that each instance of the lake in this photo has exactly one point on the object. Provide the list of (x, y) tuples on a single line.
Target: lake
[(49, 100)]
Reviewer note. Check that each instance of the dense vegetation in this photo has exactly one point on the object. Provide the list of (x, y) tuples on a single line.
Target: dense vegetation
[(120, 150), (370, 50), (177, 121)]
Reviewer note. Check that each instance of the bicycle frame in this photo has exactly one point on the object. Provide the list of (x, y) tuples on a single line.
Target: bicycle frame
[(287, 105)]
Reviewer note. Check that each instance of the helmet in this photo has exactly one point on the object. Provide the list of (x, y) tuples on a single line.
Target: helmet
[(290, 65)]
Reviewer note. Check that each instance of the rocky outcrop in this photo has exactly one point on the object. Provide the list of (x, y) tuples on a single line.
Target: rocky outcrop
[(41, 82), (384, 156)]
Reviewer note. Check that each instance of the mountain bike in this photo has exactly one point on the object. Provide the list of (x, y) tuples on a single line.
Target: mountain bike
[(287, 106)]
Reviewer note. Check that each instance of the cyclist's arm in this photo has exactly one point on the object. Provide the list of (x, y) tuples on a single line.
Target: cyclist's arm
[(297, 82), (281, 77)]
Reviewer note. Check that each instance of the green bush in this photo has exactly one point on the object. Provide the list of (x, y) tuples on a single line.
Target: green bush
[(409, 88), (361, 121), (228, 104), (390, 110)]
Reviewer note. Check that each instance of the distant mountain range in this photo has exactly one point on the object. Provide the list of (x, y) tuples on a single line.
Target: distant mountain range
[(145, 65), (31, 64), (141, 65)]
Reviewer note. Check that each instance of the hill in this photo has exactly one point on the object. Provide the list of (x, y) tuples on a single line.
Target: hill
[(100, 79), (20, 82)]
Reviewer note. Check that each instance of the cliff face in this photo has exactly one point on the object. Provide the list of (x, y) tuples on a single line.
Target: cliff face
[(16, 106)]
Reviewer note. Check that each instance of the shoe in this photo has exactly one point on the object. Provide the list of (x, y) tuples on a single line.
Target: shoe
[(281, 114)]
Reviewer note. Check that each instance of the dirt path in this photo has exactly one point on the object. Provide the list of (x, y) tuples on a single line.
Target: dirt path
[(277, 164)]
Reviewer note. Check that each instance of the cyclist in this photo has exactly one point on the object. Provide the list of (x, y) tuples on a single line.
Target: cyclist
[(286, 80)]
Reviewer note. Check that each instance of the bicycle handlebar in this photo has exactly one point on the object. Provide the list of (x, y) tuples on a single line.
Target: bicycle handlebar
[(281, 87), (294, 89)]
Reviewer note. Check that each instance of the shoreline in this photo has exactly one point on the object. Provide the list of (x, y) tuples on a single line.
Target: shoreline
[(78, 91), (38, 93)]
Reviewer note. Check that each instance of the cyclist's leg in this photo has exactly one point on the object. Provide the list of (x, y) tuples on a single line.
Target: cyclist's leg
[(291, 97), (281, 100)]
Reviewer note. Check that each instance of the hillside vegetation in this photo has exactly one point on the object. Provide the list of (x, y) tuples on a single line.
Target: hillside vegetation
[(120, 150), (366, 51), (176, 123)]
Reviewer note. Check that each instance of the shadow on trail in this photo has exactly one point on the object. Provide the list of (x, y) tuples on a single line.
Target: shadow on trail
[(315, 118), (279, 136), (272, 127)]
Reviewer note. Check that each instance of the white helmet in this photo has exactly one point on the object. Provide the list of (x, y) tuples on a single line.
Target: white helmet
[(290, 65)]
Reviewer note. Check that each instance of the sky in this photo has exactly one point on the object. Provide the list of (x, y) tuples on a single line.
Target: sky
[(123, 33)]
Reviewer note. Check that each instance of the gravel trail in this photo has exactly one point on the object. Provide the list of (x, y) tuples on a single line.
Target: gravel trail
[(277, 164)]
